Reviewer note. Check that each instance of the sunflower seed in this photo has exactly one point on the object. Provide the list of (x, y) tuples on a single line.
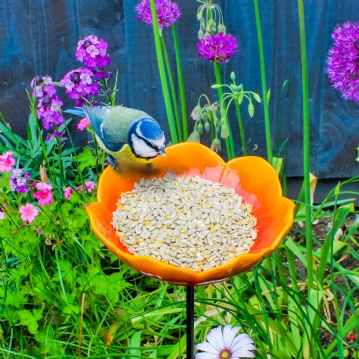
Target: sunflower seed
[(190, 223)]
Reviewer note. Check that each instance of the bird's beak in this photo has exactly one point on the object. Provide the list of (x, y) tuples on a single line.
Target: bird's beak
[(162, 152)]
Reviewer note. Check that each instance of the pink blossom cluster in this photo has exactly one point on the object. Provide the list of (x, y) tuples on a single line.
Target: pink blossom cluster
[(49, 106), (167, 12), (218, 47), (79, 85), (84, 123), (28, 213), (6, 162), (89, 185), (93, 53), (43, 193)]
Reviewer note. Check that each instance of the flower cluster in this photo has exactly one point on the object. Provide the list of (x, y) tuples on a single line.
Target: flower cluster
[(6, 162), (84, 123), (43, 193), (93, 53), (167, 12), (18, 183), (223, 344), (343, 60), (218, 47), (79, 85), (49, 106), (89, 185)]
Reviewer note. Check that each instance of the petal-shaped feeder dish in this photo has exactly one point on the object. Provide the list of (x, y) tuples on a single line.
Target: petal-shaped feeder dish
[(252, 178)]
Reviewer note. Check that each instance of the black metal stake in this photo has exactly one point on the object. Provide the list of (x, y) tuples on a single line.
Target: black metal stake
[(190, 322)]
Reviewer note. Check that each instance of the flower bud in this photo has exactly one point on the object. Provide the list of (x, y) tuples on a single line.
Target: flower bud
[(200, 34), (196, 112), (207, 126), (224, 131), (216, 145), (233, 76), (222, 28), (200, 128), (194, 137), (203, 24)]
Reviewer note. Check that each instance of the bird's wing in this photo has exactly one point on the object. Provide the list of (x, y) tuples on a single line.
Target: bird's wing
[(100, 119), (118, 122)]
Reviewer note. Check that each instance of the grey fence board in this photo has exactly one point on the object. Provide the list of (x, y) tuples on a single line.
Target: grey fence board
[(40, 37)]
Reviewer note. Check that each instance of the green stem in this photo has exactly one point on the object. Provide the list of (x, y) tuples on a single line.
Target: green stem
[(264, 83), (229, 139), (161, 68), (241, 128), (308, 209), (180, 83), (172, 86)]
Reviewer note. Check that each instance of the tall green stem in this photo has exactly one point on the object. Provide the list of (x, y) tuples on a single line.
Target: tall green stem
[(308, 209), (172, 87), (264, 84), (180, 83), (161, 68), (241, 128), (229, 139)]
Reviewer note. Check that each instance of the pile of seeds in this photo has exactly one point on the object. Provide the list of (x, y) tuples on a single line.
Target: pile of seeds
[(190, 223)]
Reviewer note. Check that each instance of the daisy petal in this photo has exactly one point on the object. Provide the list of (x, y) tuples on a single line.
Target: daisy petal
[(228, 335), (238, 344), (206, 356), (215, 338), (206, 347), (244, 352)]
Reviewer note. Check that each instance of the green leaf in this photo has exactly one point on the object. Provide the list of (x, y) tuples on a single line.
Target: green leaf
[(136, 343), (86, 159)]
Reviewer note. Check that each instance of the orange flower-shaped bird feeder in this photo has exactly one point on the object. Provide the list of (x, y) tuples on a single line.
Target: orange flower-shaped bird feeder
[(252, 178)]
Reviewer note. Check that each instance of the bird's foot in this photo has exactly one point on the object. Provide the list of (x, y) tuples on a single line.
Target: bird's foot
[(149, 166), (112, 161)]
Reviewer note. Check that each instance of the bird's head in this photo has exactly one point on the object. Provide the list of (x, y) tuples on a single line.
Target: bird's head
[(146, 138)]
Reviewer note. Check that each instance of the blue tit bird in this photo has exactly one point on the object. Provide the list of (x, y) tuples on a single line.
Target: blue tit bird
[(125, 134)]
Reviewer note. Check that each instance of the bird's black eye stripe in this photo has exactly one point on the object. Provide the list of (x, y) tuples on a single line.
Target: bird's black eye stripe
[(148, 143)]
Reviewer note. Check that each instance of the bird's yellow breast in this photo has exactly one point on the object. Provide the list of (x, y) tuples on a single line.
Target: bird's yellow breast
[(125, 154)]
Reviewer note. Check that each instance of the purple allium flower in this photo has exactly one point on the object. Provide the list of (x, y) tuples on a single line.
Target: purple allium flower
[(79, 84), (93, 52), (343, 60), (167, 12), (218, 47)]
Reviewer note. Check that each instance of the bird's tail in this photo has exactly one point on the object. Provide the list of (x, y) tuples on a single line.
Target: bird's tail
[(78, 111)]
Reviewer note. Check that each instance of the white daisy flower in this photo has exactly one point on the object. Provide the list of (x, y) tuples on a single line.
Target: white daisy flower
[(225, 345)]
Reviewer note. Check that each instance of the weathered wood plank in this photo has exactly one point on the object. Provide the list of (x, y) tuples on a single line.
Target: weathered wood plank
[(40, 37)]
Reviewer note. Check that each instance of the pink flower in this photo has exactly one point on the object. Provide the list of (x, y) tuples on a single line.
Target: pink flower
[(84, 123), (44, 194), (90, 186), (28, 213), (41, 186), (67, 192), (6, 162), (2, 214)]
